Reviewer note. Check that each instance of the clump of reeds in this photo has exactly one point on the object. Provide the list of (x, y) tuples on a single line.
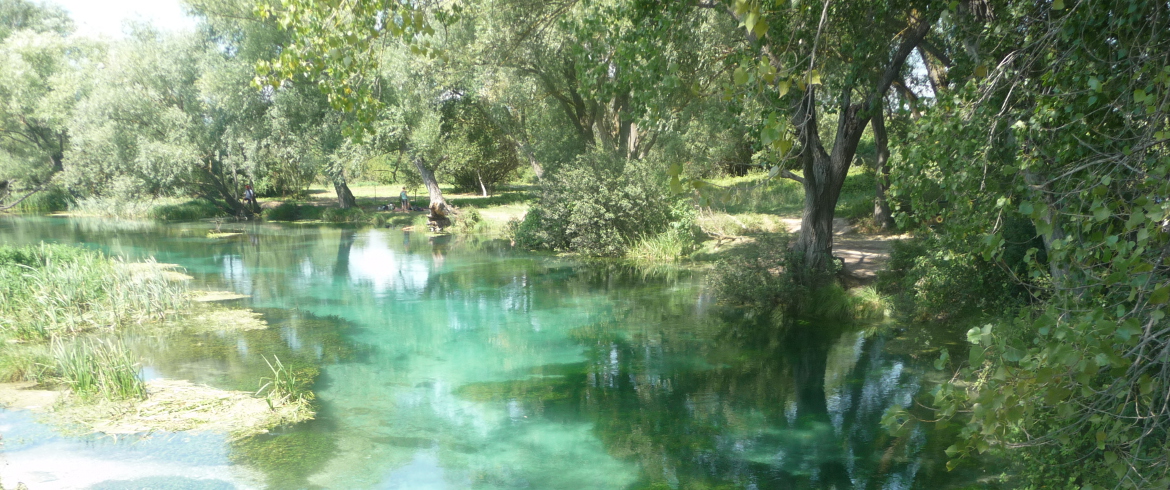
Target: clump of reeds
[(667, 246), (96, 368), (48, 290), (285, 385)]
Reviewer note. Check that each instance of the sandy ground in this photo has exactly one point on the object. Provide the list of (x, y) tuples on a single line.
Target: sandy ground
[(24, 396)]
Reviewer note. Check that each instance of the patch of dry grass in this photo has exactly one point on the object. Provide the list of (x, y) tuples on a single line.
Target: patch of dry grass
[(178, 405)]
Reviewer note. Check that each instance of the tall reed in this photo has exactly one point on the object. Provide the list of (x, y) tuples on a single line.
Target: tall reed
[(96, 368), (48, 290), (285, 386)]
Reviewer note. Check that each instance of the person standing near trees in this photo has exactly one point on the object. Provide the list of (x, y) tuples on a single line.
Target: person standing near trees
[(405, 200)]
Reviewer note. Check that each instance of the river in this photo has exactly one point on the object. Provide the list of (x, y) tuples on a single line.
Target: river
[(457, 362)]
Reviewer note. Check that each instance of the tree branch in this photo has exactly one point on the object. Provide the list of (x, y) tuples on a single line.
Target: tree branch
[(789, 175), (18, 201), (913, 37)]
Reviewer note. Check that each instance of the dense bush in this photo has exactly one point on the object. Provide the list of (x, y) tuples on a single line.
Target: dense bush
[(929, 280), (598, 206), (188, 211), (285, 212), (338, 215)]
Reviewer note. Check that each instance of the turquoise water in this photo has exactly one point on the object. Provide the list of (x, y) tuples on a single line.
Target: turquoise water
[(461, 363)]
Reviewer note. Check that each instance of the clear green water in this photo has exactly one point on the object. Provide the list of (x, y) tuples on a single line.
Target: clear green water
[(464, 364)]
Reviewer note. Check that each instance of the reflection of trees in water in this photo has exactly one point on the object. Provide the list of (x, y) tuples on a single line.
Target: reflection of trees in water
[(732, 402)]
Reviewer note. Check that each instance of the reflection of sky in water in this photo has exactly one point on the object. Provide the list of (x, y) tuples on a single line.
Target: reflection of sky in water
[(35, 455), (373, 264), (428, 325)]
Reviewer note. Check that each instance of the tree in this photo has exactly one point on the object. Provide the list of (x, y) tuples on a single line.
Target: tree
[(1062, 124), (479, 156), (40, 80), (166, 116), (842, 58)]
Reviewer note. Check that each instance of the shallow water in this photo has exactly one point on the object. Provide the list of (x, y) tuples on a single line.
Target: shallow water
[(451, 363)]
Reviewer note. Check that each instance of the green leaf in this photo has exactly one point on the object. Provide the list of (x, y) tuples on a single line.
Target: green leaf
[(761, 28), (1057, 4), (1026, 208), (773, 172), (973, 335), (814, 77), (1160, 295), (953, 451), (740, 76), (783, 145), (783, 87), (750, 21), (675, 185), (674, 169)]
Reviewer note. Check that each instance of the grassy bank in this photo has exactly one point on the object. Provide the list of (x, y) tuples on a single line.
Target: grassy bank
[(54, 290), (477, 214), (61, 310)]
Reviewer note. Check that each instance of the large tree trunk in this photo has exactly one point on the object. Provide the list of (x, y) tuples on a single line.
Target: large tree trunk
[(436, 196), (881, 207), (345, 199), (824, 175)]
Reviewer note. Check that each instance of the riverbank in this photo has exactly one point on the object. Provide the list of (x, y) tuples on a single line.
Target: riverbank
[(64, 309)]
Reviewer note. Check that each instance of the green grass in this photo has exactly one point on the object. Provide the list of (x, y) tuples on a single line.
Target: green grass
[(96, 368), (25, 362), (668, 246), (756, 194), (49, 200), (56, 290)]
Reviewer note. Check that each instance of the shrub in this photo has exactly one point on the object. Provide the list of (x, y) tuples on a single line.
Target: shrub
[(767, 275), (338, 215), (598, 206), (188, 211), (468, 220), (284, 212), (929, 280)]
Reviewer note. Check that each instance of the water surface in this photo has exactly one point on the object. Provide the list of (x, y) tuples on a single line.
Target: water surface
[(461, 363)]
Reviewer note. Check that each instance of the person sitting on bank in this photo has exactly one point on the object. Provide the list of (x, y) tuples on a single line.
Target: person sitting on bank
[(249, 195), (405, 200)]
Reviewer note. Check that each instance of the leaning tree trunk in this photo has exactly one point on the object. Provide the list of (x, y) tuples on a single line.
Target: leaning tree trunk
[(345, 199), (428, 177), (881, 206)]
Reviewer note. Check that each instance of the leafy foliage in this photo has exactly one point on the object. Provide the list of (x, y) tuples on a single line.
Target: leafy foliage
[(1068, 132), (598, 207), (477, 155)]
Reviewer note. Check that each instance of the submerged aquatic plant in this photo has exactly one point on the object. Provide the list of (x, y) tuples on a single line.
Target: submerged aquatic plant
[(98, 368)]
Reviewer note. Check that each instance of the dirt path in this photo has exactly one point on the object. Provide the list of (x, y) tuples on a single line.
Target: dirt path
[(864, 255)]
